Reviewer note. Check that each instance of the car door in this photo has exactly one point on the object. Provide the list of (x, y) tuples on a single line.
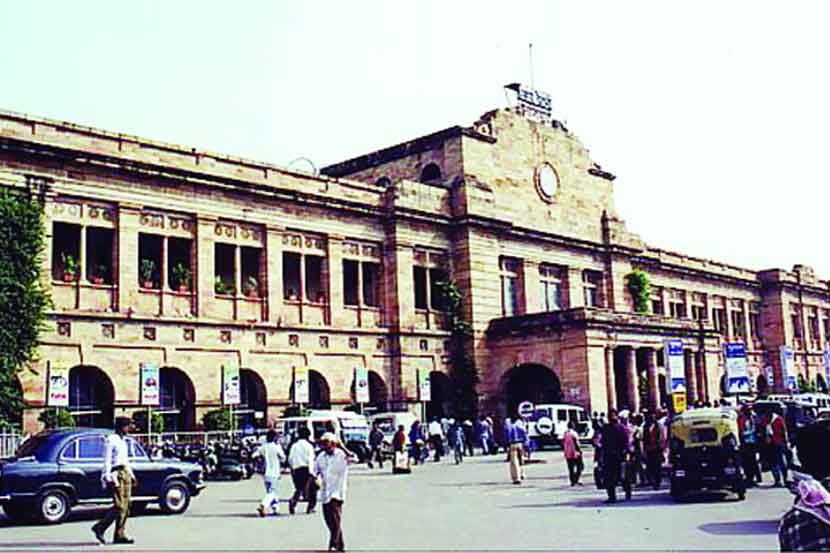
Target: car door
[(148, 473), (81, 463)]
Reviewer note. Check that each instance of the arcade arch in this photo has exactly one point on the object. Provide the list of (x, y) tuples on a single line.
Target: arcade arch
[(91, 396)]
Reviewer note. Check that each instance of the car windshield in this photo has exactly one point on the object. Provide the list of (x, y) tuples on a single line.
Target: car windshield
[(30, 446)]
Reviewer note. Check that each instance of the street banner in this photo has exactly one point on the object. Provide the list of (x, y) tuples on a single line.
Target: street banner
[(230, 386), (301, 394), (361, 385), (788, 369), (679, 402), (149, 384), (827, 366), (675, 366), (424, 389), (58, 387), (737, 372)]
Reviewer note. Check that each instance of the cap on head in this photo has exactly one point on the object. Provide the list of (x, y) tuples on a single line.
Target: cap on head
[(329, 438)]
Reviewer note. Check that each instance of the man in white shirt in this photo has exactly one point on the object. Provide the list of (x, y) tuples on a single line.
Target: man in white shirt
[(332, 467), (273, 455), (436, 438), (301, 461), (118, 478)]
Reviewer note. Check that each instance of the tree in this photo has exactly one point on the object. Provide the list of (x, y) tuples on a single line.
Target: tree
[(23, 298), (218, 419), (56, 417), (140, 422), (463, 372), (639, 287)]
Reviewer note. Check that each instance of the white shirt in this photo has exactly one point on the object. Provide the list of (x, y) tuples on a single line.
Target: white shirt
[(115, 454), (435, 429), (334, 470), (273, 454), (301, 455)]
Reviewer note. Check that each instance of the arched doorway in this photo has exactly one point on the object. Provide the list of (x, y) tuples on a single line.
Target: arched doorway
[(178, 400), (318, 391), (253, 399), (531, 382), (440, 404), (762, 385), (91, 396), (378, 394)]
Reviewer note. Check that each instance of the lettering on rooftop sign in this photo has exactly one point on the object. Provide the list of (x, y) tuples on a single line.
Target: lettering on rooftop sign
[(532, 103)]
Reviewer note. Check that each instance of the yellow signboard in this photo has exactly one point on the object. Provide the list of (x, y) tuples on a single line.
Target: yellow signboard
[(679, 401)]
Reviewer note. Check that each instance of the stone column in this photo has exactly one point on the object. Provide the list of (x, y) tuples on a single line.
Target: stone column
[(126, 274), (237, 280), (633, 380), (273, 272), (335, 281), (574, 288), (531, 289), (205, 254), (610, 378), (690, 361), (166, 298), (82, 261), (651, 372)]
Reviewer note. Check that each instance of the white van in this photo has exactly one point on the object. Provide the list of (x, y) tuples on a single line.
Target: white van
[(388, 423), (352, 429), (550, 422), (821, 402)]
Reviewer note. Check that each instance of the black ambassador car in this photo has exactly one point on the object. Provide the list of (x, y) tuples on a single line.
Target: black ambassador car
[(55, 470)]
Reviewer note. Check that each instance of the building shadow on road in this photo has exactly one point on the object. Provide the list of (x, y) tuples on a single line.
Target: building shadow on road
[(741, 527)]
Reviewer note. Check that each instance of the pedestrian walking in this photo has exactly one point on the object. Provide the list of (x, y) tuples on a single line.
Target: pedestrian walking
[(118, 478), (400, 460), (375, 446), (416, 441), (516, 444), (436, 439), (749, 452), (332, 468), (272, 454), (468, 437), (507, 427), (301, 462), (777, 431), (573, 454), (653, 450), (628, 472), (456, 441), (614, 448), (484, 435)]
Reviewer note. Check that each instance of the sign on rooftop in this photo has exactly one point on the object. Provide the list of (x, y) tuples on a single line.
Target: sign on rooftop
[(532, 103)]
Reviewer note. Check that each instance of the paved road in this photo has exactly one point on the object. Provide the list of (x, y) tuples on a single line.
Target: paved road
[(445, 507)]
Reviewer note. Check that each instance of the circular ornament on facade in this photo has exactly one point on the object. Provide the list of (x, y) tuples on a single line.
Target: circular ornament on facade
[(547, 181)]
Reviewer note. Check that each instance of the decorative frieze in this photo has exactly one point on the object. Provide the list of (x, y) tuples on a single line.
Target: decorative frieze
[(150, 333), (108, 330), (297, 241)]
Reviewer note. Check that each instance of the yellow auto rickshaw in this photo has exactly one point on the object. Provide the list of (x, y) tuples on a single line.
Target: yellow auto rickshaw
[(703, 449)]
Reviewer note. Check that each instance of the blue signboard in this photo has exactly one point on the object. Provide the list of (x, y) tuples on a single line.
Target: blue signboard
[(788, 368), (675, 366), (737, 373)]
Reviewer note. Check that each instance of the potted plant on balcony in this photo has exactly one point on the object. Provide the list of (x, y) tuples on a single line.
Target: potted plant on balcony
[(221, 287), (183, 277), (99, 275), (251, 288), (70, 267), (147, 268)]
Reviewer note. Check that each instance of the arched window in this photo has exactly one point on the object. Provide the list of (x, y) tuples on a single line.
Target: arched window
[(430, 173)]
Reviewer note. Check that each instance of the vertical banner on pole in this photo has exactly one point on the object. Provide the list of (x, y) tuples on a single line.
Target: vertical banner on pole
[(301, 394), (361, 385), (675, 367), (737, 373), (230, 386), (788, 369), (424, 387), (826, 357), (57, 394), (149, 384)]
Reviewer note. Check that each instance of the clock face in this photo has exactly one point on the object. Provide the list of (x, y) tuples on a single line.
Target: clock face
[(547, 181)]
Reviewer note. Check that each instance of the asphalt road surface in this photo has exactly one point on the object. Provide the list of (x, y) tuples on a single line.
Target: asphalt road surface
[(442, 506)]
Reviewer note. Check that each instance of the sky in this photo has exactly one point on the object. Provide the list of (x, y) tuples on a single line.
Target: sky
[(713, 115)]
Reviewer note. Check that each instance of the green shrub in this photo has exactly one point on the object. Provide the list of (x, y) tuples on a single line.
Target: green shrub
[(218, 419), (639, 287), (140, 422), (56, 417)]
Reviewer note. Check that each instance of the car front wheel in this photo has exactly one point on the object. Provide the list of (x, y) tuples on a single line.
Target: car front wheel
[(175, 498), (53, 506)]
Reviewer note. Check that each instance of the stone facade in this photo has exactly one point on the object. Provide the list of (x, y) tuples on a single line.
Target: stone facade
[(339, 271)]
